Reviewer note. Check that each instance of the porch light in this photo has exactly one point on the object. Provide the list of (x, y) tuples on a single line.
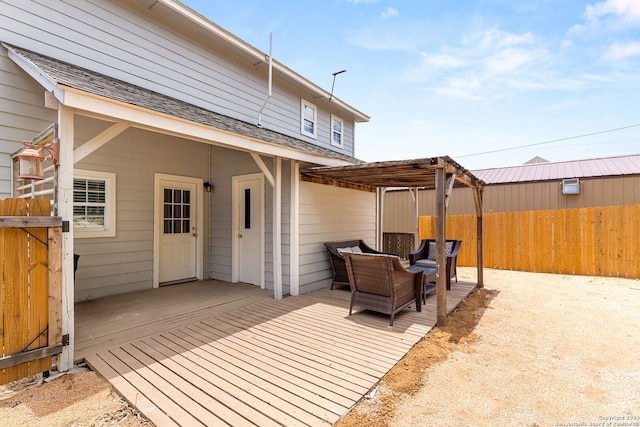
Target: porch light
[(30, 159)]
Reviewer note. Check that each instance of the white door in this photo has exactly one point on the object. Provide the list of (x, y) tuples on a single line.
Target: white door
[(177, 260), (249, 226)]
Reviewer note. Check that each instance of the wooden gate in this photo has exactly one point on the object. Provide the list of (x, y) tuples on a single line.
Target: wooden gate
[(30, 288)]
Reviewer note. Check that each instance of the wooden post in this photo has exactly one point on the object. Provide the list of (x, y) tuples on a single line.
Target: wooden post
[(54, 236), (478, 198), (441, 259)]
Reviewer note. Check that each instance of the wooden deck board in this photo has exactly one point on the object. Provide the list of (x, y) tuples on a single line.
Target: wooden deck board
[(228, 354)]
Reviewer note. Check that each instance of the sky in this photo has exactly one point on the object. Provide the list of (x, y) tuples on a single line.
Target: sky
[(490, 83)]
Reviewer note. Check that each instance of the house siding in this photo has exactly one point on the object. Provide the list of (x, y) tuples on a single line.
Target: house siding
[(126, 41), (125, 263), (226, 164), (22, 115), (330, 214)]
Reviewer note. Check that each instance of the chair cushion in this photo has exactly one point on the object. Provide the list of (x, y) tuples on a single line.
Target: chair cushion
[(448, 247), (432, 251), (426, 263)]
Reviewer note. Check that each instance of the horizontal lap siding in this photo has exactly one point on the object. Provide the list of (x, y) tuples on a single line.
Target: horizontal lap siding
[(125, 263), (129, 42), (331, 214), (22, 115)]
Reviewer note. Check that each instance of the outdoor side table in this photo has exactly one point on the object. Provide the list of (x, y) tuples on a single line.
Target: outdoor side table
[(428, 279)]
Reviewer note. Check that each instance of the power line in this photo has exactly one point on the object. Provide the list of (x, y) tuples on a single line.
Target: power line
[(548, 142)]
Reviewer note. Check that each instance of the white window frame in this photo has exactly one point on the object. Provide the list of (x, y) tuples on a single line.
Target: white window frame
[(336, 119), (303, 106), (109, 229)]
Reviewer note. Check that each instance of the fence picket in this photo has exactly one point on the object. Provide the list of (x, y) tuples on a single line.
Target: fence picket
[(15, 287), (39, 282), (590, 241)]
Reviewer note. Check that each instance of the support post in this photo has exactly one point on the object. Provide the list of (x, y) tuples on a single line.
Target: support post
[(294, 230), (65, 211), (478, 194), (416, 217), (441, 259), (277, 230)]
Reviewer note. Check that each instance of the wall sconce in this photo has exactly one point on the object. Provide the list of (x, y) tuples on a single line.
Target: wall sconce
[(30, 159), (208, 187)]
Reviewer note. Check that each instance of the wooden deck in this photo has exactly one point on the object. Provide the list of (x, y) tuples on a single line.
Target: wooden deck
[(214, 353)]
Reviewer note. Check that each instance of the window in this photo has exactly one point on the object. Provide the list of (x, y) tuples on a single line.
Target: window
[(94, 204), (337, 126), (177, 211), (571, 186), (308, 119)]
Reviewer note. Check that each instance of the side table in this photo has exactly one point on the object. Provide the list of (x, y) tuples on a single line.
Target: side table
[(428, 280)]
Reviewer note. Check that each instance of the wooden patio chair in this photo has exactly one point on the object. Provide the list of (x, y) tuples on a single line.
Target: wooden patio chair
[(336, 256), (380, 283), (425, 256)]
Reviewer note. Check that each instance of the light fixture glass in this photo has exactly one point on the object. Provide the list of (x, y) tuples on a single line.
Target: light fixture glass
[(30, 164)]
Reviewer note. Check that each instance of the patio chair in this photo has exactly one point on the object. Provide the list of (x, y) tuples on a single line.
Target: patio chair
[(425, 256), (380, 283), (336, 251)]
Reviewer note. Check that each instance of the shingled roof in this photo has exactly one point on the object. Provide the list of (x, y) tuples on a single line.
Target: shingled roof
[(588, 168), (83, 79)]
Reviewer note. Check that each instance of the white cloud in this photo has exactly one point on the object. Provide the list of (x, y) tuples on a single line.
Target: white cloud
[(485, 65), (389, 13), (619, 51), (627, 10), (495, 39)]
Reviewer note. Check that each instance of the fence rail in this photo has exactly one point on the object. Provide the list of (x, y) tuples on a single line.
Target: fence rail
[(599, 241)]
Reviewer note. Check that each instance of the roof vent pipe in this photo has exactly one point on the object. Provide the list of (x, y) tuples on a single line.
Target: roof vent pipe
[(264, 104)]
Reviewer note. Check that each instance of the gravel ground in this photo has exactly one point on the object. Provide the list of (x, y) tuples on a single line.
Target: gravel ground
[(546, 350)]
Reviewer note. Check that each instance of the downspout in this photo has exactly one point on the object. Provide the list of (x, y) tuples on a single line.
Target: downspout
[(264, 104)]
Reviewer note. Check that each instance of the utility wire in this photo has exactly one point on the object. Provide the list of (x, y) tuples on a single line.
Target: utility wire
[(548, 142)]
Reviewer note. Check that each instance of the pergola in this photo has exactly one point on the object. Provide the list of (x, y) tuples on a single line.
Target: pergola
[(441, 174)]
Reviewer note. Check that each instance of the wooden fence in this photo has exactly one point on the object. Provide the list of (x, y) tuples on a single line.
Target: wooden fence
[(30, 286), (600, 241)]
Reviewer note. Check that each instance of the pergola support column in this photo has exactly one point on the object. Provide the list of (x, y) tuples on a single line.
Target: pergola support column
[(441, 259), (478, 193)]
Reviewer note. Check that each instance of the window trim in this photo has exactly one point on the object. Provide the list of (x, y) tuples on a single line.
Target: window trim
[(109, 179), (303, 131), (335, 118)]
